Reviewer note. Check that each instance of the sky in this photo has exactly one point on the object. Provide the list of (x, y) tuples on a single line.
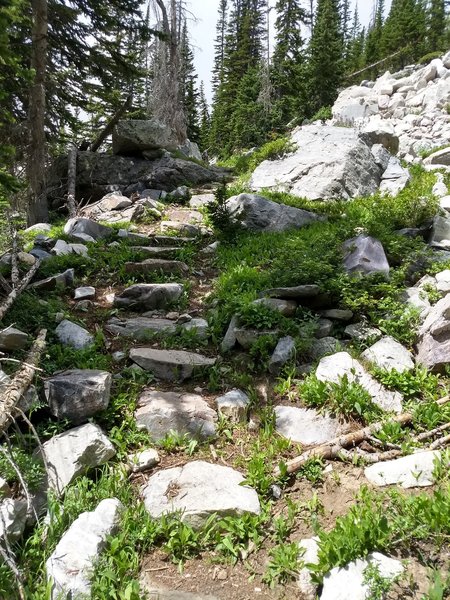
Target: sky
[(203, 32)]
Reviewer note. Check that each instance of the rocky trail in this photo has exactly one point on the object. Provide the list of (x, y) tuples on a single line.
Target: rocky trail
[(258, 416)]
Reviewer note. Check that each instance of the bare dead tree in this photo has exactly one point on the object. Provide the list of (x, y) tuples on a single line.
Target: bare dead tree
[(164, 102), (72, 179), (111, 124), (37, 155)]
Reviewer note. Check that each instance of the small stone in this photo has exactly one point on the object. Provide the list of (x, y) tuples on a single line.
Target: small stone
[(337, 314), (71, 566), (186, 414), (283, 353), (143, 460), (229, 340), (365, 255), (71, 334), (199, 490), (13, 518), (118, 356), (309, 554), (390, 355), (74, 452), (84, 293), (299, 292), (59, 316), (306, 426), (324, 328), (84, 305), (155, 265), (415, 470), (52, 283), (12, 339), (234, 405), (287, 308)]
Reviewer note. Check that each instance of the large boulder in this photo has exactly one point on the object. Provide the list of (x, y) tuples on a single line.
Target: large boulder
[(86, 230), (355, 103), (433, 350), (390, 355), (260, 214), (78, 394), (99, 174), (71, 565), (133, 137), (199, 490), (329, 163)]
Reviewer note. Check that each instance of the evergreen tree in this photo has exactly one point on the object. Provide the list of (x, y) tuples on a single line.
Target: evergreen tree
[(204, 118), (405, 31), (219, 46), (189, 94), (326, 66), (354, 59), (288, 58), (373, 46), (436, 26)]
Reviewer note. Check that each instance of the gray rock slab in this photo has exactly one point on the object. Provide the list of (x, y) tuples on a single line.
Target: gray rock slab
[(84, 293), (299, 292), (333, 368), (71, 334), (86, 230), (324, 328), (158, 265), (417, 298), (323, 346), (329, 163), (337, 314), (287, 308), (143, 460), (44, 227), (12, 339), (229, 340), (234, 405), (198, 490), (257, 213), (201, 200), (186, 414), (433, 349), (74, 452), (441, 157), (170, 365), (247, 337), (13, 518), (306, 426), (149, 296), (414, 470), (78, 394), (70, 567), (365, 255), (62, 248), (167, 252), (114, 201), (62, 280), (390, 355), (361, 332), (284, 352), (343, 583), (440, 233), (186, 229)]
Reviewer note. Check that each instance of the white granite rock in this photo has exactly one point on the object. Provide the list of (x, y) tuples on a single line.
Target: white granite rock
[(389, 354), (414, 470), (71, 334), (234, 405), (306, 426)]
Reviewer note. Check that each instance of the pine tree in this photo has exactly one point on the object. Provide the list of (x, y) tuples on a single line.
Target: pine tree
[(326, 64), (405, 31), (189, 94), (219, 46), (354, 59), (204, 118), (288, 58), (373, 47), (436, 25)]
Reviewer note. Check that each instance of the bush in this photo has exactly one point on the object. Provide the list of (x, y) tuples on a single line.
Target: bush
[(225, 227), (247, 162), (323, 114), (429, 57)]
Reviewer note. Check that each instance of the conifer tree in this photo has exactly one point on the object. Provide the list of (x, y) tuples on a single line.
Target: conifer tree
[(436, 25), (373, 47), (354, 59), (405, 31), (204, 118), (288, 58), (326, 66), (219, 46), (189, 94)]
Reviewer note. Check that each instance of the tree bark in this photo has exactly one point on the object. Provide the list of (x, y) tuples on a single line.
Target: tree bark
[(110, 125), (71, 179), (21, 381), (37, 203)]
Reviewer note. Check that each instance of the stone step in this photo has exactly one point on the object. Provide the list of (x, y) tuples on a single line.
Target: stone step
[(170, 365), (149, 296), (141, 328), (156, 265), (167, 252)]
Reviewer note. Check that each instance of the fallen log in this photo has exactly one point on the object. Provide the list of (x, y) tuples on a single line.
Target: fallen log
[(111, 124), (21, 381), (331, 449), (15, 293)]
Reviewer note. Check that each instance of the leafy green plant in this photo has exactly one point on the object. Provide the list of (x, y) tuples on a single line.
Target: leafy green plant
[(312, 470), (247, 162), (323, 114), (283, 565), (378, 585), (235, 535), (15, 457), (439, 587), (418, 383), (226, 226)]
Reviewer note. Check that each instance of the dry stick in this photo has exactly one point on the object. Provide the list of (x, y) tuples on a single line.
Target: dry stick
[(71, 179), (426, 435), (378, 62), (15, 275), (9, 558), (21, 381), (440, 442), (332, 448), (369, 457), (21, 480), (5, 285), (15, 293), (111, 124)]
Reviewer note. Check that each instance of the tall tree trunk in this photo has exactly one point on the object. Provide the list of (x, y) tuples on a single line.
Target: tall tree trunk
[(37, 203)]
